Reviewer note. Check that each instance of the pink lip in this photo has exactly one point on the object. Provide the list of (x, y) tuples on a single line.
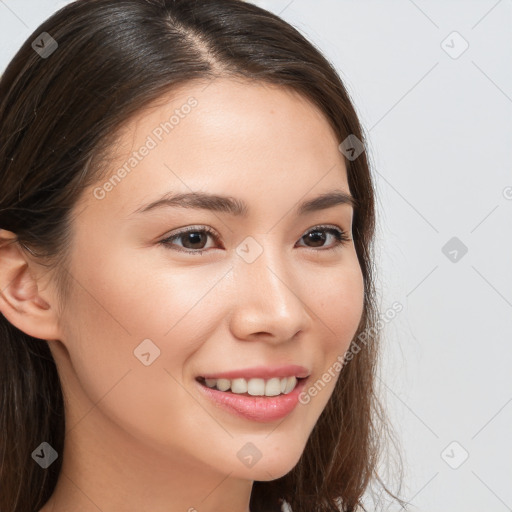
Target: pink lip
[(256, 408), (262, 372)]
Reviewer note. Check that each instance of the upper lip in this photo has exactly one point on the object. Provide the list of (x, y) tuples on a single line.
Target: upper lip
[(262, 372)]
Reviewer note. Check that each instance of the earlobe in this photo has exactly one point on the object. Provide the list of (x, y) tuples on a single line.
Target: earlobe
[(21, 302)]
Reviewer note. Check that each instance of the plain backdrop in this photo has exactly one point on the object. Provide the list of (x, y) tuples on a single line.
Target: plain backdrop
[(432, 83)]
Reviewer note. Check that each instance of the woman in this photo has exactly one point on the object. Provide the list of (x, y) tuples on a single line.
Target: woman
[(186, 223)]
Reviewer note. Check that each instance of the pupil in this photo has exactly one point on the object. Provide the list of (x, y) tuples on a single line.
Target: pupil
[(191, 237), (320, 239)]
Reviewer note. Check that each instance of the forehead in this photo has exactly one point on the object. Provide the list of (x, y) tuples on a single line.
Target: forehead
[(247, 137), (223, 110)]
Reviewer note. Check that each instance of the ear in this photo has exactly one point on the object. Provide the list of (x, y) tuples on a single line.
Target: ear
[(22, 303)]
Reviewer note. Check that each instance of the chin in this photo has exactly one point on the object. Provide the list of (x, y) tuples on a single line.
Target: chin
[(277, 466)]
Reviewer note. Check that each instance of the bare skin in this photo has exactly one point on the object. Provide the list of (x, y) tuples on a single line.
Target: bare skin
[(144, 437)]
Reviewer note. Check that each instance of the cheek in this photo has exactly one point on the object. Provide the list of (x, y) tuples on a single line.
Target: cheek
[(125, 313), (138, 298), (338, 305), (107, 320)]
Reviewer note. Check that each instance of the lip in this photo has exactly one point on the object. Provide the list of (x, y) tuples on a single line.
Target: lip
[(262, 372), (255, 408)]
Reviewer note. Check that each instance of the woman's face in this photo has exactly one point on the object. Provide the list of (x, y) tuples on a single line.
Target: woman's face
[(271, 288)]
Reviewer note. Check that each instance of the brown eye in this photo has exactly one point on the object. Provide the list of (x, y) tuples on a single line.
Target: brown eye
[(193, 239), (318, 235)]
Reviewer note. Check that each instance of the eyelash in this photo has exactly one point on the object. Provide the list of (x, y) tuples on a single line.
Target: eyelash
[(339, 234)]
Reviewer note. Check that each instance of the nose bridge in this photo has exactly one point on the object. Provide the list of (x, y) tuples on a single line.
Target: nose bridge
[(263, 265), (267, 291)]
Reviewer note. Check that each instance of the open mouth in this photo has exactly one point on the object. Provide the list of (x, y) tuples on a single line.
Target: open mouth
[(253, 387), (255, 399)]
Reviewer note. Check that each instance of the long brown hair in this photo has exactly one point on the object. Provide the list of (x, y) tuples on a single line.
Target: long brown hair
[(59, 116)]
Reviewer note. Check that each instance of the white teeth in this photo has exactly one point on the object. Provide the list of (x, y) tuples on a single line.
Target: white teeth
[(273, 387), (223, 384), (239, 386), (255, 387), (292, 381)]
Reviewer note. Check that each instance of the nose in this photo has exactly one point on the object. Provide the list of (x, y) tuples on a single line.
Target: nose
[(269, 297)]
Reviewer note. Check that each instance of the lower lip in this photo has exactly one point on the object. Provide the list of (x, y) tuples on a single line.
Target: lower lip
[(256, 408)]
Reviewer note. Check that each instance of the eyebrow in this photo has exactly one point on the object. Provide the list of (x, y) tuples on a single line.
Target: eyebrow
[(237, 207)]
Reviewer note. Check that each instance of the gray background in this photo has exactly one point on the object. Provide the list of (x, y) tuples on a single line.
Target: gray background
[(440, 140)]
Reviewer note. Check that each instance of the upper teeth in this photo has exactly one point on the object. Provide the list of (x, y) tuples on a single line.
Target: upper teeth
[(256, 387)]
